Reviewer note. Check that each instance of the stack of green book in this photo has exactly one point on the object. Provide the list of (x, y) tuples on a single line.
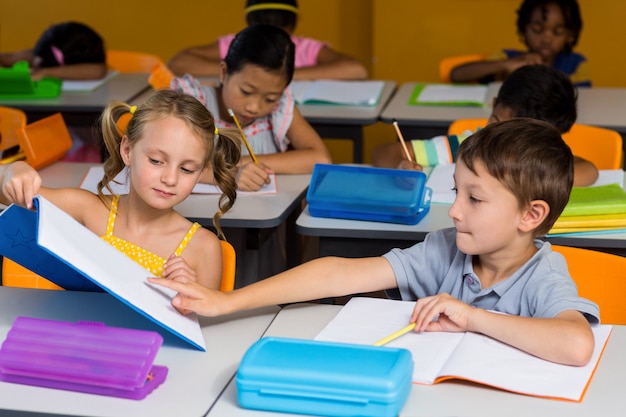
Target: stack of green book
[(593, 209)]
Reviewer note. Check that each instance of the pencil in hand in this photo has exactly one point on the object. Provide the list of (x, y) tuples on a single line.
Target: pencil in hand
[(402, 142), (243, 136)]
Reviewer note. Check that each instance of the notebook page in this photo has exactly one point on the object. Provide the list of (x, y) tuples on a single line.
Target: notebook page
[(444, 93), (441, 181), (367, 320)]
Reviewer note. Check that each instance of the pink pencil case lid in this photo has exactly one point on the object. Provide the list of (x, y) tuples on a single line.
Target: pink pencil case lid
[(84, 356)]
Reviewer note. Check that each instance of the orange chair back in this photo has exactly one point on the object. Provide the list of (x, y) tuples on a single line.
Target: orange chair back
[(600, 278), (15, 275), (602, 147), (446, 65), (10, 120), (459, 126), (130, 61), (45, 141)]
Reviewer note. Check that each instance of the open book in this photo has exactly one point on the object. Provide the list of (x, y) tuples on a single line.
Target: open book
[(52, 244), (351, 93), (87, 86), (439, 355), (449, 95)]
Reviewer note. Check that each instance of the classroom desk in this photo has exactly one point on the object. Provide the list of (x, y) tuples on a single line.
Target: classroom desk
[(424, 122), (256, 216), (335, 121), (195, 379), (83, 108), (604, 396), (597, 106), (355, 238), (346, 122)]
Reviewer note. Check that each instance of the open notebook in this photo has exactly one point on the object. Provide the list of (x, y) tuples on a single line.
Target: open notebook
[(439, 356), (350, 93)]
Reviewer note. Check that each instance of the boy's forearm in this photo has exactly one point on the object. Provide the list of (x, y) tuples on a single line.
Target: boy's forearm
[(565, 339)]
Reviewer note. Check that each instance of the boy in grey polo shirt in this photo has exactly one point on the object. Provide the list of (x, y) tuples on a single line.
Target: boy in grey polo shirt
[(512, 179)]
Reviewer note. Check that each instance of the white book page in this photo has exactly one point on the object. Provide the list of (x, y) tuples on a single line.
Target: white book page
[(367, 320), (609, 176), (358, 93), (87, 85), (61, 235), (488, 361), (441, 181), (120, 184), (444, 93)]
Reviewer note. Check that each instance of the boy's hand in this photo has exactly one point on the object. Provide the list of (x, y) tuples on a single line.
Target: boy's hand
[(453, 314), (251, 177), (193, 297), (20, 183)]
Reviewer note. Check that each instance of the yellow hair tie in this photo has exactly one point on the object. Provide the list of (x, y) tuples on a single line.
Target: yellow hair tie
[(216, 131), (271, 6), (132, 109)]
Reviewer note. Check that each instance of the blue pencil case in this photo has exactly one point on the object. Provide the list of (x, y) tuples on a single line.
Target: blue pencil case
[(324, 378), (368, 193)]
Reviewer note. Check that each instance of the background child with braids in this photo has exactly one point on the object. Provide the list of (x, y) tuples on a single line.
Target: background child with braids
[(170, 141)]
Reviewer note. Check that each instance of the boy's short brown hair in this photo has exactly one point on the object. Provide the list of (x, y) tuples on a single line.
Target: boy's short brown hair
[(527, 156)]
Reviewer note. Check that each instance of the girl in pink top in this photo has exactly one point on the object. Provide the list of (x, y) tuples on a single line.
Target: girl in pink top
[(313, 60)]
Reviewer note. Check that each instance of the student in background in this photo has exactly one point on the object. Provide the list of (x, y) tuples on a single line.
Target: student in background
[(512, 181), (534, 91), (550, 30), (69, 50), (314, 59), (253, 83), (170, 141)]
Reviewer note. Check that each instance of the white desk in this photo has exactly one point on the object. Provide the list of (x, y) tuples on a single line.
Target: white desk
[(354, 238), (597, 106), (251, 225), (83, 108), (334, 121), (195, 379), (454, 398)]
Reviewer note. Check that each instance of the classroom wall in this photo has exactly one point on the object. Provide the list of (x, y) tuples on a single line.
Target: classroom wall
[(401, 40)]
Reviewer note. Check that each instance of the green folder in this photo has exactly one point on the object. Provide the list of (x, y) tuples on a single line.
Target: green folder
[(448, 95), (604, 199), (16, 83)]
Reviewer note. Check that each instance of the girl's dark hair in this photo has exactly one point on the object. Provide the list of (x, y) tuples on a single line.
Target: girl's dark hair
[(571, 15), (284, 19), (222, 150), (265, 46), (79, 44), (540, 92)]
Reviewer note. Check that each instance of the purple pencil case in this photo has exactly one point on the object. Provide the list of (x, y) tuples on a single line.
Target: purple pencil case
[(84, 356)]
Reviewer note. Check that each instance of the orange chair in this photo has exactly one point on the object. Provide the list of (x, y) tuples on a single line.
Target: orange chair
[(10, 120), (602, 147), (45, 141), (600, 278), (446, 65), (15, 275), (461, 125), (130, 61)]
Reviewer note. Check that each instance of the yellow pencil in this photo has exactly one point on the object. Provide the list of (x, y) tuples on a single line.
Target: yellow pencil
[(395, 335), (402, 142), (243, 136)]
